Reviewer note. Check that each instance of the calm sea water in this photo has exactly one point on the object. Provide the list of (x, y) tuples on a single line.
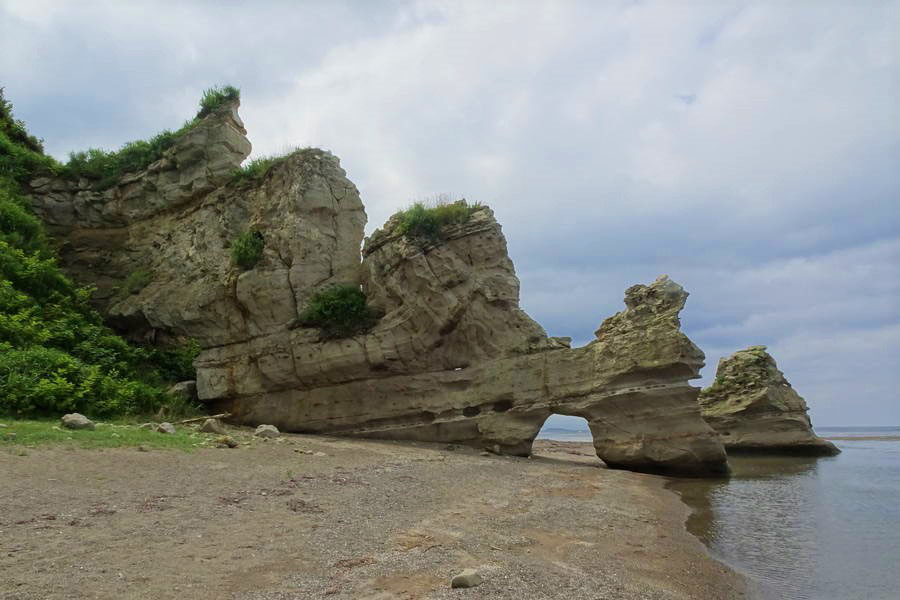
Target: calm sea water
[(804, 528), (808, 528)]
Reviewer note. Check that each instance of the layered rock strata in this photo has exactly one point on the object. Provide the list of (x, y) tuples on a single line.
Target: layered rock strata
[(754, 408), (453, 359)]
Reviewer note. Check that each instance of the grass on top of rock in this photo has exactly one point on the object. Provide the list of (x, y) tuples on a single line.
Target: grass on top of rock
[(105, 168), (56, 354), (213, 98), (429, 223), (339, 311), (247, 249)]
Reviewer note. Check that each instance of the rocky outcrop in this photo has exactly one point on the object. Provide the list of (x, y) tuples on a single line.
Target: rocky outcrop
[(452, 359), (156, 245), (753, 408)]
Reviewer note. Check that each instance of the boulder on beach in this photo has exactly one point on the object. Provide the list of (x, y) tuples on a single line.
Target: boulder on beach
[(76, 421)]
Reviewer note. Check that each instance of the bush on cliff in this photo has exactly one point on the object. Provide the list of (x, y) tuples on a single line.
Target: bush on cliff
[(55, 352), (247, 249), (339, 311), (429, 223), (215, 97)]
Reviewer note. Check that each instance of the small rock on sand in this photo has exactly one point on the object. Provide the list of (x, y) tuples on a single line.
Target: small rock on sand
[(266, 431), (468, 578), (167, 428), (77, 421), (212, 426)]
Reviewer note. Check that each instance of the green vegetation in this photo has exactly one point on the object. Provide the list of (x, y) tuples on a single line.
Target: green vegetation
[(20, 433), (428, 224), (56, 355), (134, 283), (215, 97), (247, 249), (257, 168), (105, 168), (339, 311)]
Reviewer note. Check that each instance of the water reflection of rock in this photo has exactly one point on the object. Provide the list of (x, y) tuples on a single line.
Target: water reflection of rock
[(701, 494)]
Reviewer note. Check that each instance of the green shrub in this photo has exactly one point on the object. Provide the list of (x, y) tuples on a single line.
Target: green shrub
[(428, 224), (176, 363), (14, 129), (247, 249), (55, 352), (256, 169), (339, 311), (215, 97)]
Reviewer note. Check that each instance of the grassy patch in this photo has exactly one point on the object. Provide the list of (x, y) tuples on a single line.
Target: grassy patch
[(247, 249), (114, 434), (339, 311), (257, 168), (428, 223), (215, 97)]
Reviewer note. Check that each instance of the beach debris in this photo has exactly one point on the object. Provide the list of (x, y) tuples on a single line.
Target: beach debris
[(76, 421), (267, 431), (466, 579), (226, 441)]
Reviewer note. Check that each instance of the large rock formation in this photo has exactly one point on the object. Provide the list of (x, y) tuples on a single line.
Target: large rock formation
[(753, 408), (453, 359)]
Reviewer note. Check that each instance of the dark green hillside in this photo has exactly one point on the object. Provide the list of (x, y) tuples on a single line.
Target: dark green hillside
[(56, 355)]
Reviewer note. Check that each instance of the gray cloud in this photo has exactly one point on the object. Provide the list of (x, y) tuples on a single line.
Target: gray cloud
[(749, 150)]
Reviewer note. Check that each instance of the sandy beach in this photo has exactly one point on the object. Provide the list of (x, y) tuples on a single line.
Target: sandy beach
[(317, 517)]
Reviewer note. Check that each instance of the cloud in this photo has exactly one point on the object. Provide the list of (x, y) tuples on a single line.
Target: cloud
[(748, 150)]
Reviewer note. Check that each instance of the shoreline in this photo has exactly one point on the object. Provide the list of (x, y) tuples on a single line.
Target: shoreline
[(340, 518)]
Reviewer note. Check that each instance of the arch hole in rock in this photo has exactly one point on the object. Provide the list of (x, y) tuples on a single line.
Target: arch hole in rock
[(471, 411), (565, 428)]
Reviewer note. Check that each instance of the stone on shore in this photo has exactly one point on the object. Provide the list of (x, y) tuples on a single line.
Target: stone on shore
[(267, 431), (466, 579), (77, 421), (166, 428), (753, 408), (212, 426)]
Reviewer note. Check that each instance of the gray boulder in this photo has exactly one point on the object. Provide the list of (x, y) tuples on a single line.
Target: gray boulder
[(468, 578), (77, 421), (267, 431), (166, 428)]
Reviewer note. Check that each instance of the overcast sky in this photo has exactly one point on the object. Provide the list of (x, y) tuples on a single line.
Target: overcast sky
[(750, 150)]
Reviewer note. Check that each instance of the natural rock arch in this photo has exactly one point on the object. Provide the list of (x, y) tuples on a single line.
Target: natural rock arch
[(454, 358)]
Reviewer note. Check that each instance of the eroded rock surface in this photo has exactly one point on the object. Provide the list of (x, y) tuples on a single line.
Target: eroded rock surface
[(453, 359), (754, 408)]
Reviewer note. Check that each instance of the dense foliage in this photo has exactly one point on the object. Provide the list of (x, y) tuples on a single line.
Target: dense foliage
[(424, 223), (247, 249), (339, 311), (56, 354)]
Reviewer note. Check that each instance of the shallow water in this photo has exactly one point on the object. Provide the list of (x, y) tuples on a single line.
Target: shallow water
[(808, 528)]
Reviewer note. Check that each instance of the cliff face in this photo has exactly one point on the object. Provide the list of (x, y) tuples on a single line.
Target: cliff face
[(754, 408), (453, 359)]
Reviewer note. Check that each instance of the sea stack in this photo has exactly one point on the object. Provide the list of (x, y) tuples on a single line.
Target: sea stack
[(754, 409)]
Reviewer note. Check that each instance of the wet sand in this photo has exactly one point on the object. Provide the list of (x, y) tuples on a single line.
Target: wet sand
[(364, 519)]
